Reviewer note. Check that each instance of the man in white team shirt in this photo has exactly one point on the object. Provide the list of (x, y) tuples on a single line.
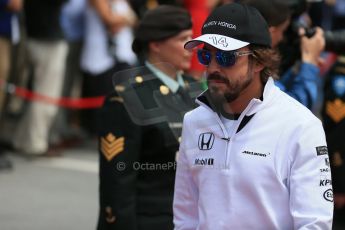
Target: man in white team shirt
[(251, 157)]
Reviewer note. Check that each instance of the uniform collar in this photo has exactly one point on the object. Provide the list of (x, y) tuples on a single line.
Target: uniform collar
[(172, 84)]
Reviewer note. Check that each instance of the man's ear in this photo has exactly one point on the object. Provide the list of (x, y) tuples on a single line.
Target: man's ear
[(258, 67)]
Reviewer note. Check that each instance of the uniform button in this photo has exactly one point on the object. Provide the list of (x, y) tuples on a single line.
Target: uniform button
[(139, 79), (164, 90), (110, 218)]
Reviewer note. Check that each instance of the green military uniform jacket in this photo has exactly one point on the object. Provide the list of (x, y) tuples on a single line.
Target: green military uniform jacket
[(137, 160)]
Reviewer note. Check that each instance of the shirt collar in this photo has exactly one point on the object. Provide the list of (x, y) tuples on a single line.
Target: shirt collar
[(253, 106), (172, 84)]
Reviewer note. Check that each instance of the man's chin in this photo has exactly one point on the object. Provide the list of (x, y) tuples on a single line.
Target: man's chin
[(220, 97), (230, 97), (217, 96)]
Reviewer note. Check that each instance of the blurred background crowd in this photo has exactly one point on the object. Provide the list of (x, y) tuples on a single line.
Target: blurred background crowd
[(72, 48)]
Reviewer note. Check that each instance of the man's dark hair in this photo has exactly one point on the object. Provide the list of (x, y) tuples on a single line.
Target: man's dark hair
[(267, 57)]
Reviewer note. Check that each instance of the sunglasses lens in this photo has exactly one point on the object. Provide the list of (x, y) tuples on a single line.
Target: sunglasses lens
[(226, 58), (204, 57)]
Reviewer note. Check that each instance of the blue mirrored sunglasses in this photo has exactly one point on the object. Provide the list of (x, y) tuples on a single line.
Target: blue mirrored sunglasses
[(223, 58)]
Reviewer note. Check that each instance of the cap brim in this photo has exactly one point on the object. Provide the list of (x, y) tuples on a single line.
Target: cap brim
[(218, 41)]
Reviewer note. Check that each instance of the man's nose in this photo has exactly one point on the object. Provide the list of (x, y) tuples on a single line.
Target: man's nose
[(213, 66)]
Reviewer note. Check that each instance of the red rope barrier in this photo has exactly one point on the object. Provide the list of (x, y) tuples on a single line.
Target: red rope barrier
[(71, 103)]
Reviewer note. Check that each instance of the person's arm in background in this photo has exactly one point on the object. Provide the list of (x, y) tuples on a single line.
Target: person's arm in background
[(112, 21), (119, 148), (303, 83)]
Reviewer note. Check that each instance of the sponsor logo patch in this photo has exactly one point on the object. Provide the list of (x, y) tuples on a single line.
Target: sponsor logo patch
[(325, 182), (220, 23), (327, 162), (206, 141), (204, 161), (256, 154), (321, 150), (324, 170), (328, 195)]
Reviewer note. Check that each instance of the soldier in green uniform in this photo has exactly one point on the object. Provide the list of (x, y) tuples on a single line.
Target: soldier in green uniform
[(140, 124)]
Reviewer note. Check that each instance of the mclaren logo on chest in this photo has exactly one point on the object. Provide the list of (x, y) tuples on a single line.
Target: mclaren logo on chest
[(206, 141), (256, 154)]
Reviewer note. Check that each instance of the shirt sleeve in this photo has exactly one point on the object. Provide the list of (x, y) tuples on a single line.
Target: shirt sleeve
[(119, 143), (186, 193), (310, 184), (303, 85)]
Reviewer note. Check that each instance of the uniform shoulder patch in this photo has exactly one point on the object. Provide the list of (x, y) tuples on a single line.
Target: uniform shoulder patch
[(112, 146), (117, 99)]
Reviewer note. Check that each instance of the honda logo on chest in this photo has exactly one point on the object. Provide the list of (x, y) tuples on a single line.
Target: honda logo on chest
[(206, 141)]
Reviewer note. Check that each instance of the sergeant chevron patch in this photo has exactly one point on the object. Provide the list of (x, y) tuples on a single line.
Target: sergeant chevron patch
[(112, 146)]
